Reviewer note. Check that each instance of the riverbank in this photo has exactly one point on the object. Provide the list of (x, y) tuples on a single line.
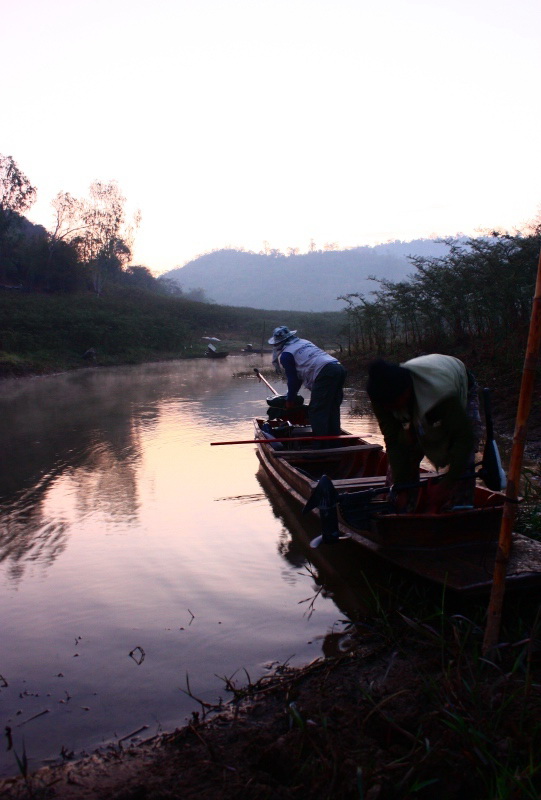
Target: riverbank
[(42, 333), (411, 709)]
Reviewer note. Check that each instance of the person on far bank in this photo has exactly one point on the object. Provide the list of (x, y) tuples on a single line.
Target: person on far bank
[(428, 406), (321, 373)]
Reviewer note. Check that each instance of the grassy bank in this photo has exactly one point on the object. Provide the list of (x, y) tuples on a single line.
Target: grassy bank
[(43, 333)]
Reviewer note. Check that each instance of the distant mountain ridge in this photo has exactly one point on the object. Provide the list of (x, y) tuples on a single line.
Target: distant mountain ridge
[(303, 282)]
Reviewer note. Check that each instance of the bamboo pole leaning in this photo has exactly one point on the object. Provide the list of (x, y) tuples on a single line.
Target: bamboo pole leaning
[(494, 612)]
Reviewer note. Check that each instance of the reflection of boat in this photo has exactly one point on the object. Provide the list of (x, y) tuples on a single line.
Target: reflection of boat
[(337, 571), (456, 549)]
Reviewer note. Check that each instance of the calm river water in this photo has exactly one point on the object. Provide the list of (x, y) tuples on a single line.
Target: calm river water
[(133, 554)]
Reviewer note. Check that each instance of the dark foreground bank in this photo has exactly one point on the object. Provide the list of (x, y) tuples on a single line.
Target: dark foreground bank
[(411, 710)]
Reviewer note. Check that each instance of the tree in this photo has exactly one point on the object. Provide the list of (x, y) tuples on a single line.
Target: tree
[(104, 247), (16, 192), (98, 228), (140, 278), (16, 195), (479, 294), (197, 294), (68, 217), (169, 286)]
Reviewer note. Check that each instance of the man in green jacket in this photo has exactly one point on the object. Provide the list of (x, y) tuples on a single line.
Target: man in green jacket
[(428, 406)]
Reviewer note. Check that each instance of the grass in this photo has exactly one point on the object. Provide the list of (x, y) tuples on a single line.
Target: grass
[(44, 332), (438, 721), (528, 519)]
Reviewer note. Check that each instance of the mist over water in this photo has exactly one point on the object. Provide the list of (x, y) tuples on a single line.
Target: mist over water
[(133, 554)]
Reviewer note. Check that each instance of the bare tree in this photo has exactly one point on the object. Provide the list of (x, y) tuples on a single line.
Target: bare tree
[(98, 227)]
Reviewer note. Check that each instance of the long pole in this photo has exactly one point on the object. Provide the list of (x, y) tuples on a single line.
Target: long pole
[(494, 612), (291, 439), (265, 381)]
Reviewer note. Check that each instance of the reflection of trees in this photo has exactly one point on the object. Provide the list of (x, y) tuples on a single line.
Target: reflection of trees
[(51, 424), (48, 424), (26, 536), (66, 426), (85, 427), (108, 482)]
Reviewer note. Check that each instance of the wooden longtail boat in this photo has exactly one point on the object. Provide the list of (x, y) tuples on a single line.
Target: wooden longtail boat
[(455, 549), (216, 353)]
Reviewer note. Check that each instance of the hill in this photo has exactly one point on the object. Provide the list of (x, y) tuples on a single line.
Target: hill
[(303, 282)]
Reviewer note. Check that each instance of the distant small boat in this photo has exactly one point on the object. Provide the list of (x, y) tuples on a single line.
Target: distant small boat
[(213, 353)]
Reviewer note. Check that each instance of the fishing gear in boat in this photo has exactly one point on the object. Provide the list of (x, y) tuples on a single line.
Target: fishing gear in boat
[(325, 498), (491, 472), (357, 508), (277, 405)]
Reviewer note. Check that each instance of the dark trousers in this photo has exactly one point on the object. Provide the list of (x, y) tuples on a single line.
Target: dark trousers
[(326, 398)]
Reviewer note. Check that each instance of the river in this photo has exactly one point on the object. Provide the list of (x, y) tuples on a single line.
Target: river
[(138, 563)]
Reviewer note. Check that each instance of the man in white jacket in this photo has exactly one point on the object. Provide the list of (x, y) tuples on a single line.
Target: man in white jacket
[(305, 363)]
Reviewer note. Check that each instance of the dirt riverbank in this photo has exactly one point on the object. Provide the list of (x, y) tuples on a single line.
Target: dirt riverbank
[(407, 713)]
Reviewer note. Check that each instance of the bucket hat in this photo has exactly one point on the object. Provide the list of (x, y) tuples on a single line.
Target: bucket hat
[(281, 334)]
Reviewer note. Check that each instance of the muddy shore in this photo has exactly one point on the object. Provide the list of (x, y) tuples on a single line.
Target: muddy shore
[(405, 713)]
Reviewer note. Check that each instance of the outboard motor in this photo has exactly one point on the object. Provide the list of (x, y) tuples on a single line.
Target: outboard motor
[(277, 409), (325, 499)]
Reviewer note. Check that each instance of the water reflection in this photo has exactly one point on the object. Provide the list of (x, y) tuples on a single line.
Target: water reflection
[(121, 528), (85, 428)]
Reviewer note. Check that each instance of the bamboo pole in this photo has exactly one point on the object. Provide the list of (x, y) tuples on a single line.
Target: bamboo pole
[(494, 611)]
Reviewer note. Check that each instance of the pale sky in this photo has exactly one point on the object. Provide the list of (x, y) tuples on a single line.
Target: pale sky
[(235, 122)]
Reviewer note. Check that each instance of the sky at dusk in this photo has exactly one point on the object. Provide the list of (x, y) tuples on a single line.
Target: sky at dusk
[(239, 122)]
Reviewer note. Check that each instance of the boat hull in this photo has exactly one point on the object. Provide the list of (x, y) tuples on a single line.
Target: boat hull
[(456, 549)]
